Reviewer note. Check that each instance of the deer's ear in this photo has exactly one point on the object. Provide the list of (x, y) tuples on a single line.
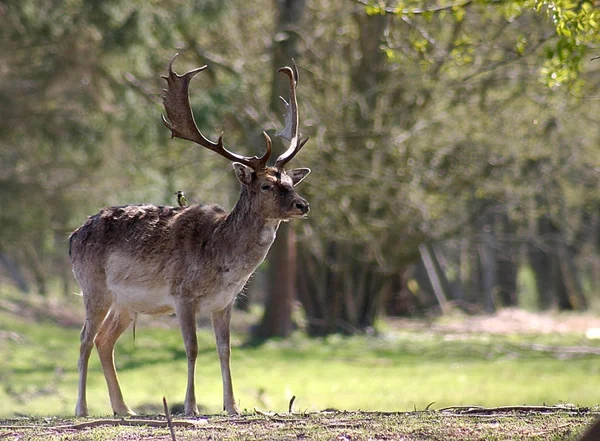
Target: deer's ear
[(243, 173), (298, 174)]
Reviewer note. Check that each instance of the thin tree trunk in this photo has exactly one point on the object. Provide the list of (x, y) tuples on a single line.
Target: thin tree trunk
[(35, 264), (14, 272), (541, 259), (540, 262), (506, 266), (438, 289), (571, 278), (488, 271)]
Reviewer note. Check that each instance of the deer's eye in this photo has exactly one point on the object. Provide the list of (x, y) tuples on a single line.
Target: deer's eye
[(266, 187)]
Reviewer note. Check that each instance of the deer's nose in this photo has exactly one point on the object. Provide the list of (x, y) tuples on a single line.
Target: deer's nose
[(303, 206)]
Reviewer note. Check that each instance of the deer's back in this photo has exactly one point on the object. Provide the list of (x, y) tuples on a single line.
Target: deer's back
[(143, 229), (136, 249)]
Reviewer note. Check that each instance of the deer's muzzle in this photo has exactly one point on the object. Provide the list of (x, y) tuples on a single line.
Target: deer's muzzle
[(301, 205)]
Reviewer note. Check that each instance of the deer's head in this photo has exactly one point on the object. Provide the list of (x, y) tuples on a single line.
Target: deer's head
[(271, 188)]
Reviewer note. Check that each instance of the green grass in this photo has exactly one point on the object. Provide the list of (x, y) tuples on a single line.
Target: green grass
[(400, 371)]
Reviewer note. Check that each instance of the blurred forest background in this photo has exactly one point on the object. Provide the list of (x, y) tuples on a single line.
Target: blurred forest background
[(454, 145)]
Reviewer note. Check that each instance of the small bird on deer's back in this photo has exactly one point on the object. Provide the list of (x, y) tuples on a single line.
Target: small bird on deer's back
[(181, 199)]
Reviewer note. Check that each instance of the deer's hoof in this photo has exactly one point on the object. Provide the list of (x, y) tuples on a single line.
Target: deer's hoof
[(192, 412), (233, 411), (81, 411), (126, 411)]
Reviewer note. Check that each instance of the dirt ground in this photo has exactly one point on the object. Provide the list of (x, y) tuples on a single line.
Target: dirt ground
[(452, 424), (508, 321)]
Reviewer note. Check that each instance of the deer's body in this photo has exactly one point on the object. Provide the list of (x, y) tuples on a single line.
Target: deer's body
[(150, 255), (157, 260)]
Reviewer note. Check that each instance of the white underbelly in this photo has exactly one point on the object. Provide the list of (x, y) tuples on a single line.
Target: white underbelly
[(158, 300), (145, 300), (139, 286)]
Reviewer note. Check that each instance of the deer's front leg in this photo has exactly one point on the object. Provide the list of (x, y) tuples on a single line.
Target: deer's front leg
[(221, 320), (186, 313)]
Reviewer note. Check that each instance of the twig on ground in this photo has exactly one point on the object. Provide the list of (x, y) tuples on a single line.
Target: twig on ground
[(279, 417), (553, 429), (459, 408), (291, 403), (169, 421), (502, 409)]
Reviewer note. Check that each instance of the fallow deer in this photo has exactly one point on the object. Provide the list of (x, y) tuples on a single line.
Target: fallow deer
[(147, 259)]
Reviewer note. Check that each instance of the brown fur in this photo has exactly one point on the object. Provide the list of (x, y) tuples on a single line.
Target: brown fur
[(154, 260)]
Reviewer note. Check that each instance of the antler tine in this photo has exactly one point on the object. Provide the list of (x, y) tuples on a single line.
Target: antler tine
[(290, 130), (182, 124)]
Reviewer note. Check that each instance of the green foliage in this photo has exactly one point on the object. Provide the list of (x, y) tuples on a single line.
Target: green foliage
[(576, 27), (375, 8)]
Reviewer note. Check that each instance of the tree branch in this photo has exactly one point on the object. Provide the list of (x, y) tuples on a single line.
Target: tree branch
[(510, 60), (417, 11)]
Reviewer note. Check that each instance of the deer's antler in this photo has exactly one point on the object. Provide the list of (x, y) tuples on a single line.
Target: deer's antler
[(182, 124), (290, 131)]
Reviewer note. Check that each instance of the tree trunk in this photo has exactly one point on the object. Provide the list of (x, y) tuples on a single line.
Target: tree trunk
[(435, 276), (281, 287), (14, 272), (487, 257), (506, 265), (556, 276), (541, 263), (281, 273), (570, 277)]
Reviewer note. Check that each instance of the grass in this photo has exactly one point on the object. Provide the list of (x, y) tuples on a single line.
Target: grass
[(402, 370), (398, 372)]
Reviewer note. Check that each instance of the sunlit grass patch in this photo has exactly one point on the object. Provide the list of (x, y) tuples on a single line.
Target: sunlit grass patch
[(398, 371)]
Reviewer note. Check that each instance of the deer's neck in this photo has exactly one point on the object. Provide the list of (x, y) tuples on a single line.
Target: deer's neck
[(249, 226)]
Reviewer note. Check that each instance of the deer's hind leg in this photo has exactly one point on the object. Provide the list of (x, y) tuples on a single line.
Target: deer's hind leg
[(113, 326), (96, 308)]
